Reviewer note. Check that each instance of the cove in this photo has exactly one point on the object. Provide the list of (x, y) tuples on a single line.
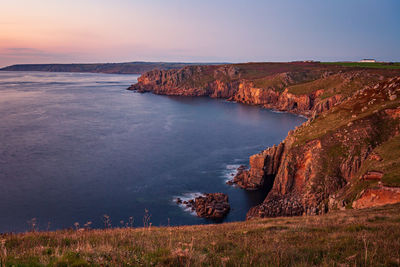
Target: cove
[(77, 146)]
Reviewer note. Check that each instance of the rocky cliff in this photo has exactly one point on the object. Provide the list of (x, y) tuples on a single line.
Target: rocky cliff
[(353, 113), (264, 167), (324, 161)]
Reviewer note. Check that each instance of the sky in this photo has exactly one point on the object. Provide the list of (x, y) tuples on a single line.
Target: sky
[(75, 31)]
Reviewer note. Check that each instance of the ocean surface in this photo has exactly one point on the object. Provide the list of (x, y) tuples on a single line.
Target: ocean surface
[(74, 147)]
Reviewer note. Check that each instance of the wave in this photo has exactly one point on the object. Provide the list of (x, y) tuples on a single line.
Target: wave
[(187, 197), (230, 172)]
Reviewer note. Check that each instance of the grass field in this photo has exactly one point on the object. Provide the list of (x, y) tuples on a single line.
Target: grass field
[(342, 238), (376, 65)]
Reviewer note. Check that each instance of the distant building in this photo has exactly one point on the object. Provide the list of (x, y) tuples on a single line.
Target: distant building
[(367, 60)]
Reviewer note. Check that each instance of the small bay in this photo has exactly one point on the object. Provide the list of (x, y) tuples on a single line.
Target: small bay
[(75, 146)]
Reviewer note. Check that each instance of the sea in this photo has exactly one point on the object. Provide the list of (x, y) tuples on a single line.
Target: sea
[(76, 148)]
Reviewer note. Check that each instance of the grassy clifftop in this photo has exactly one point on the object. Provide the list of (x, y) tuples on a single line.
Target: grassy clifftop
[(377, 65), (342, 238)]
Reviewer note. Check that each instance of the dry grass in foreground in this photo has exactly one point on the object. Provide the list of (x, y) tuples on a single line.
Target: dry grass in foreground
[(342, 238)]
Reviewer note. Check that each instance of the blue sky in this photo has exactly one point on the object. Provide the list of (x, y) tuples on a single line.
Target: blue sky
[(64, 31)]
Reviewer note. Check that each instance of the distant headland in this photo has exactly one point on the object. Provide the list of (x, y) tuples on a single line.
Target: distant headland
[(136, 67)]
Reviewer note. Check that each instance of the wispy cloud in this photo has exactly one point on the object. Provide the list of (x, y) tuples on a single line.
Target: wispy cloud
[(20, 55), (25, 52)]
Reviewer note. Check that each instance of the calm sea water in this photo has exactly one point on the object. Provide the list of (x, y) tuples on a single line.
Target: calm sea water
[(74, 147)]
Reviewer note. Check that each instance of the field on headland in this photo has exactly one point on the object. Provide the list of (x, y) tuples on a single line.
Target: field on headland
[(349, 238), (377, 65)]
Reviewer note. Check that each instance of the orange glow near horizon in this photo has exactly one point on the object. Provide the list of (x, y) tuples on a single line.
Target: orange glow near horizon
[(43, 31), (66, 31)]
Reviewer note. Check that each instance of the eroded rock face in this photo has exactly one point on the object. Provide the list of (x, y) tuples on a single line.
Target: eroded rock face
[(263, 167), (172, 82), (249, 94), (306, 171), (226, 81), (292, 191), (211, 206), (304, 104), (310, 173), (326, 104), (279, 206)]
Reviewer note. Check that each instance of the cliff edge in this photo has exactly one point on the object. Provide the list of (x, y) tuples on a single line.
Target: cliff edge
[(352, 130)]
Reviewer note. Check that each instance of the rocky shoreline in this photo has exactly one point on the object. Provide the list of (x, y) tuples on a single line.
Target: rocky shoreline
[(353, 114), (210, 206)]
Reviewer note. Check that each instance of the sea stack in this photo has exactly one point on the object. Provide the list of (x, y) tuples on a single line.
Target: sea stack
[(211, 206)]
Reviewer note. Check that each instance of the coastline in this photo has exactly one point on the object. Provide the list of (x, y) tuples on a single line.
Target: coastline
[(122, 111), (319, 93), (357, 206)]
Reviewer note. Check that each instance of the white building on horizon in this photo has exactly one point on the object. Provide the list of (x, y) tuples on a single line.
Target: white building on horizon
[(367, 60)]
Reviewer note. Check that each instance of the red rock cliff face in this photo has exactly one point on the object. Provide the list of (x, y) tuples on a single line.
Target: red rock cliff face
[(227, 82), (171, 82), (311, 172), (247, 93), (305, 104), (348, 115), (264, 167)]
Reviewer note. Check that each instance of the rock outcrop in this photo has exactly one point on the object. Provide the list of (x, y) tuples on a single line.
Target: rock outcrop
[(377, 197), (211, 206), (264, 167)]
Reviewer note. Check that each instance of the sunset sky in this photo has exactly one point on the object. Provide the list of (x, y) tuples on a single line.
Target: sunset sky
[(66, 31)]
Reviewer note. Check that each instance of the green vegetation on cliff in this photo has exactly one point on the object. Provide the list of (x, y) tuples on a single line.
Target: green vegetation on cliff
[(389, 164), (377, 65)]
